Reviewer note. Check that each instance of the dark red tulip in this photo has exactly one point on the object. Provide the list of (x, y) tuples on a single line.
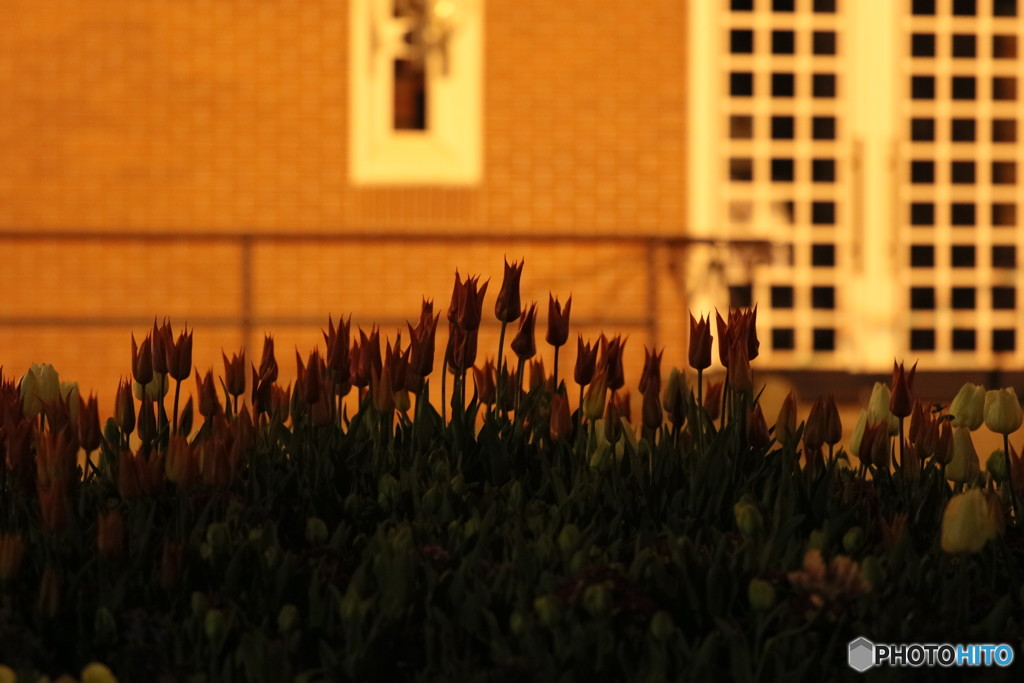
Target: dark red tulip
[(508, 306), (523, 344), (558, 321)]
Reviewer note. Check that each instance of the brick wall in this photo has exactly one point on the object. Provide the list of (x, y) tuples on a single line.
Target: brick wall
[(193, 119)]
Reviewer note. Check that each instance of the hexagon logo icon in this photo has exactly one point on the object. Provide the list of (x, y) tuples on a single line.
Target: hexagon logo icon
[(861, 654)]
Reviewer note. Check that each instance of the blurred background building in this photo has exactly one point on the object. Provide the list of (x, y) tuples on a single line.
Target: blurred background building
[(252, 166)]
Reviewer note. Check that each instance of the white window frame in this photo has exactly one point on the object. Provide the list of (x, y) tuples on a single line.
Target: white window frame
[(450, 151)]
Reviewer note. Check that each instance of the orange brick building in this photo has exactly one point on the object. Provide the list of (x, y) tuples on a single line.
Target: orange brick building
[(192, 159)]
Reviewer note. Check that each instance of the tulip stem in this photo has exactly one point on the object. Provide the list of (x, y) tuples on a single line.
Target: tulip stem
[(554, 376), (1009, 478), (177, 394), (519, 384), (580, 425), (700, 409), (501, 347), (901, 441), (444, 378)]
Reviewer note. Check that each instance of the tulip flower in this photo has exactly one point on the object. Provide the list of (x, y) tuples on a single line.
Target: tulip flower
[(965, 465), (484, 383), (471, 301), (508, 307), (561, 420), (785, 423), (901, 402), (757, 429), (968, 406), (96, 672), (383, 396), (650, 378), (268, 364), (206, 392), (142, 360), (538, 378), (523, 344), (558, 329), (163, 338), (234, 374), (40, 386), (878, 408), (89, 434), (741, 379), (421, 341), (1003, 416), (611, 359), (586, 361), (650, 411), (713, 399), (968, 522), (700, 343), (453, 306), (124, 409), (673, 398), (181, 462), (145, 426), (337, 362), (594, 402)]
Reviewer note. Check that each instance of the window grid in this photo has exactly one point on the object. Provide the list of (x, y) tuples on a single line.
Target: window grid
[(786, 169), (960, 196)]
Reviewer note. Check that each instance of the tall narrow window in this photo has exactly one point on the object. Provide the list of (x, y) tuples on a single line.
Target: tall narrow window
[(415, 92)]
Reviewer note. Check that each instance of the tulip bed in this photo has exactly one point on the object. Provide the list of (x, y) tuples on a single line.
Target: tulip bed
[(345, 528)]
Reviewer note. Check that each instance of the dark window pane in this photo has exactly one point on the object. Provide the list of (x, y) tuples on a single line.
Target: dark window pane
[(823, 170), (1004, 298), (741, 84), (1004, 256), (962, 298), (1004, 130), (823, 128), (782, 127), (783, 42), (823, 297), (922, 130), (963, 87), (962, 130), (965, 8), (922, 214), (824, 339), (922, 45), (742, 5), (963, 339), (823, 42), (922, 256), (741, 41), (783, 339), (823, 213), (962, 172), (782, 5), (922, 87), (1004, 214), (824, 5), (782, 296), (924, 7), (741, 296), (922, 339), (823, 255), (922, 171), (962, 255), (1004, 172), (410, 96), (1004, 47), (1004, 8), (783, 85), (962, 213), (786, 211), (1004, 340), (1004, 88), (782, 170), (964, 45), (741, 169), (741, 127), (922, 298), (823, 85)]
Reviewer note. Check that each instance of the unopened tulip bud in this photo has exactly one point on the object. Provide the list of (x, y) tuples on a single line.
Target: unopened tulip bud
[(215, 625), (612, 352), (967, 523), (662, 626), (741, 379), (996, 466), (594, 400), (97, 673), (1002, 411), (968, 406), (713, 399), (287, 619), (39, 387), (878, 408), (748, 518), (586, 362), (761, 595), (88, 424), (964, 466), (673, 399), (316, 531), (650, 411)]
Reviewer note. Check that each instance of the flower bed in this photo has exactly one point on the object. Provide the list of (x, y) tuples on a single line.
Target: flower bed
[(344, 528)]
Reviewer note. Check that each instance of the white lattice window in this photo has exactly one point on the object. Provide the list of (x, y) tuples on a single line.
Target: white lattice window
[(415, 92)]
